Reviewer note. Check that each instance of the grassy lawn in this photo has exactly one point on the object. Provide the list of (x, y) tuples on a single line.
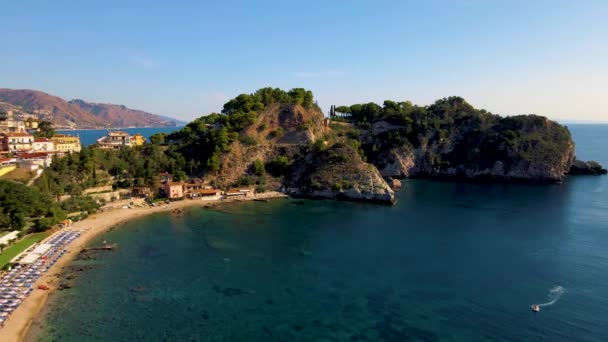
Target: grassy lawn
[(10, 252)]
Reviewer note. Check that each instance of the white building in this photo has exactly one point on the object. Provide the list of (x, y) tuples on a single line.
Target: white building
[(33, 161), (43, 145)]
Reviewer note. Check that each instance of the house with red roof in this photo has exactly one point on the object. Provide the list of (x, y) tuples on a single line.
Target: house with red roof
[(33, 161), (16, 142)]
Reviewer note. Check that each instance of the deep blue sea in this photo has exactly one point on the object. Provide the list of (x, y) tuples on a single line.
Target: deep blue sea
[(90, 136), (449, 262)]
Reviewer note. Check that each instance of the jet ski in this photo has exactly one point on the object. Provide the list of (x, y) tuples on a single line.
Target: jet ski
[(535, 307)]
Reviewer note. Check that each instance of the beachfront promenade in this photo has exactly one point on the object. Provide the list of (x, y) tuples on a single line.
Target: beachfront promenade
[(17, 283)]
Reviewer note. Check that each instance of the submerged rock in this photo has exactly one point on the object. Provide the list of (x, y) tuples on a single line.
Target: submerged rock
[(231, 291)]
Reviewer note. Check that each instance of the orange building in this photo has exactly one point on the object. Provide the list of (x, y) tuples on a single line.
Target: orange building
[(174, 189)]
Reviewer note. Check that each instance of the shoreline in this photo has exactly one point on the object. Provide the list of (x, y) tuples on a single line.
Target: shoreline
[(21, 320)]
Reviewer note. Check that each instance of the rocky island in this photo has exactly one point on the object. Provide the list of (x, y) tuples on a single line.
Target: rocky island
[(281, 140)]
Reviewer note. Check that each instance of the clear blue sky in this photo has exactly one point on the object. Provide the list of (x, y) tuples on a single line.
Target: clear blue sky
[(186, 58)]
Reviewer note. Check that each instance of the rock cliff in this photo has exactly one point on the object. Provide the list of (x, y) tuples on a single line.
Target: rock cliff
[(476, 146), (580, 167), (339, 172)]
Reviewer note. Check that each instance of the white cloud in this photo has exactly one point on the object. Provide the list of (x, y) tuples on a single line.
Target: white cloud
[(143, 62), (321, 73)]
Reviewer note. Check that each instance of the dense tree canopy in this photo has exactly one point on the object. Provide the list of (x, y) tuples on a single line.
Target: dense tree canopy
[(45, 130), (476, 138), (18, 203)]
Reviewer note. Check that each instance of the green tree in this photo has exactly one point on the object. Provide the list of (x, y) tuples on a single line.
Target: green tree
[(342, 109), (45, 129), (180, 176), (258, 167), (18, 202), (158, 138), (194, 165), (214, 162), (278, 166)]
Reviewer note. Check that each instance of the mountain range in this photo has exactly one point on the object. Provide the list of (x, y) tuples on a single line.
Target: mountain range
[(78, 113)]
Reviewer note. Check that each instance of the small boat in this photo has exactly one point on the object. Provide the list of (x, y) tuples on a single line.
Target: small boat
[(535, 307)]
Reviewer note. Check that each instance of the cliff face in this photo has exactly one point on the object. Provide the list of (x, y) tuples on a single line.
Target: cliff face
[(286, 124), (527, 148), (278, 130), (339, 172), (289, 131)]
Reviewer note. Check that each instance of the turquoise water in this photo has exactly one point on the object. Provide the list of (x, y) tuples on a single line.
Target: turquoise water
[(90, 136), (449, 262)]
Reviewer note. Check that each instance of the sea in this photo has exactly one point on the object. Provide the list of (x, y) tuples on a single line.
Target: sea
[(89, 136), (449, 262)]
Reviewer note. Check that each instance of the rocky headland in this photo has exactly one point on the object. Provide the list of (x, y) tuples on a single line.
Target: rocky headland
[(273, 139)]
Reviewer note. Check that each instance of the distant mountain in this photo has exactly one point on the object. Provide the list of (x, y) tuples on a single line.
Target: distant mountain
[(168, 118), (121, 116), (79, 113)]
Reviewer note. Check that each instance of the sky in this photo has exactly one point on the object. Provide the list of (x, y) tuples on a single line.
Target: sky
[(187, 58)]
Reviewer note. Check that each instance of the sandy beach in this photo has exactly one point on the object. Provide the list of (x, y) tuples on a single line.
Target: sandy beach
[(17, 326)]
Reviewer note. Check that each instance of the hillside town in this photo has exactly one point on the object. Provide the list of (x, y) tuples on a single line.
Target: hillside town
[(28, 144), (25, 145)]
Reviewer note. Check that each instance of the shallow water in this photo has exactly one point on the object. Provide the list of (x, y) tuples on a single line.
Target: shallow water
[(449, 262)]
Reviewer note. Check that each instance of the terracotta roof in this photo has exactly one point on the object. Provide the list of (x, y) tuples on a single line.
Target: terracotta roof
[(174, 183), (18, 134), (32, 155), (7, 160)]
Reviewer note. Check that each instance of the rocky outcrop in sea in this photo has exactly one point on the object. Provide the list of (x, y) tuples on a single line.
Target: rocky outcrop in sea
[(580, 167)]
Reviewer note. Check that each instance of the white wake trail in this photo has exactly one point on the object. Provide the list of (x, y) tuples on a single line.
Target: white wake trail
[(554, 295)]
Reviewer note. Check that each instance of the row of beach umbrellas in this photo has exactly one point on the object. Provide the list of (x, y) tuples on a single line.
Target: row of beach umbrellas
[(17, 283)]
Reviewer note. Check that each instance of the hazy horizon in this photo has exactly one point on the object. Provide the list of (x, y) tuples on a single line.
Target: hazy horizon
[(186, 59)]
